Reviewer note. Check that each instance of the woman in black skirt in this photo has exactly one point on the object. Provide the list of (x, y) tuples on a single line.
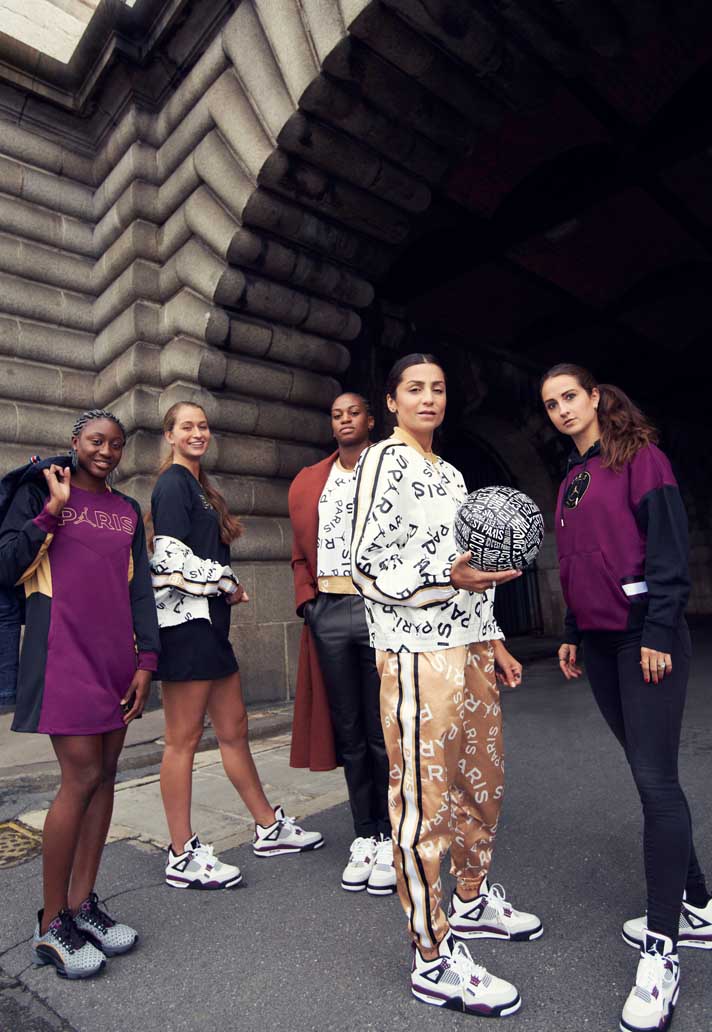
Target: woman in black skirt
[(195, 589)]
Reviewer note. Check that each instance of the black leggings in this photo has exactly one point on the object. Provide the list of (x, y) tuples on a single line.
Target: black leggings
[(646, 719), (348, 665)]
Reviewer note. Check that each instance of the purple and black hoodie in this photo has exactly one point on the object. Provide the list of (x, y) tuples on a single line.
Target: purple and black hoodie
[(623, 547)]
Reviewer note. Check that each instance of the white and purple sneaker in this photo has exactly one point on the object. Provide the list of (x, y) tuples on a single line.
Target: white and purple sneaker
[(491, 916), (197, 867), (695, 929), (453, 981), (651, 1001), (382, 879), (284, 836), (362, 857)]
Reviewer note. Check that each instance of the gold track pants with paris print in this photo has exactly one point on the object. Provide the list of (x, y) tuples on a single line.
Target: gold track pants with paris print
[(442, 725)]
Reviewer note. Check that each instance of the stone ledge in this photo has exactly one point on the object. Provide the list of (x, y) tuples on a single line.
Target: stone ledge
[(264, 723)]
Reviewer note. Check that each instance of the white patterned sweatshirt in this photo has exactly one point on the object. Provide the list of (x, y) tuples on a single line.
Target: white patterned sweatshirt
[(336, 507), (403, 548)]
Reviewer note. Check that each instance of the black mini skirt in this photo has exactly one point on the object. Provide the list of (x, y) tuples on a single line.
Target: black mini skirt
[(195, 651)]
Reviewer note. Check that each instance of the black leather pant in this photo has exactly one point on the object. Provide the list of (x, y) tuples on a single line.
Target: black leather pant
[(348, 665)]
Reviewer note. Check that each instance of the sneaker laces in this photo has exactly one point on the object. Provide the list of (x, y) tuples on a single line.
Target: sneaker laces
[(649, 975), (384, 851), (67, 932), (497, 899), (361, 848), (462, 964), (205, 852), (290, 823), (92, 912)]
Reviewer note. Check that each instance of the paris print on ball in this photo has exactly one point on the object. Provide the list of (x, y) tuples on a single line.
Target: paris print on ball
[(501, 527)]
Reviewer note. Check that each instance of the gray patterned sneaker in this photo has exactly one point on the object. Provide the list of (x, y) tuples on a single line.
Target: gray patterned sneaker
[(284, 836), (66, 947), (197, 867), (107, 935)]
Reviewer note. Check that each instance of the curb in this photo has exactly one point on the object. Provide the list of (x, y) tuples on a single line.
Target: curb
[(263, 724)]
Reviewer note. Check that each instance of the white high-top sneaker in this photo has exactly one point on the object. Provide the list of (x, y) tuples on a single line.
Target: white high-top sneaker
[(695, 928), (382, 880), (453, 981), (362, 857), (284, 836), (197, 867), (491, 916), (651, 1001)]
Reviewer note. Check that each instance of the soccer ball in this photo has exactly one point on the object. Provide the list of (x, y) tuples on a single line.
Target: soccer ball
[(502, 527)]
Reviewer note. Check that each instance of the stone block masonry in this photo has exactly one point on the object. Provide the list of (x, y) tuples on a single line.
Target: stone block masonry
[(215, 236)]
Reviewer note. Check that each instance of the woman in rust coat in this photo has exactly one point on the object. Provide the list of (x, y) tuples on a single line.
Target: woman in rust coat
[(336, 712)]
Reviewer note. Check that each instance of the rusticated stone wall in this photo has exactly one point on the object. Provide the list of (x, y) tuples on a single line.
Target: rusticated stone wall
[(214, 232)]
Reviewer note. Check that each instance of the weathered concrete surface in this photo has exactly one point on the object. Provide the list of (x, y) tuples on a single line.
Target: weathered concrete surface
[(291, 944)]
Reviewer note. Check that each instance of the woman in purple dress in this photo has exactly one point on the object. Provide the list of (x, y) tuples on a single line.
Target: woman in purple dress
[(91, 642)]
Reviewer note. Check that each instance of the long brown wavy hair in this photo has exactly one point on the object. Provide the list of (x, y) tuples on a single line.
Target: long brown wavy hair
[(625, 429), (230, 526)]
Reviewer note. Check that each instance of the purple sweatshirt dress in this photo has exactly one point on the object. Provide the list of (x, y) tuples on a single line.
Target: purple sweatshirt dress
[(90, 613)]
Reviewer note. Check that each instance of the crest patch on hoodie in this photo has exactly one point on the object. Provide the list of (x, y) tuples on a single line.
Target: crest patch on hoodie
[(577, 489)]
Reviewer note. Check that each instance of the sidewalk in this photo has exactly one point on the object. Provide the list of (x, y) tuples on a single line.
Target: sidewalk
[(29, 759), (289, 949), (219, 815)]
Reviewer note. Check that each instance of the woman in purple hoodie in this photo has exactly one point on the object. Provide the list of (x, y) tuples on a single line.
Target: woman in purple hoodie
[(621, 531)]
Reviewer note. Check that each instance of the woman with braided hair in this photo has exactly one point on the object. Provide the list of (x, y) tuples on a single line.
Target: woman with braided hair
[(91, 642)]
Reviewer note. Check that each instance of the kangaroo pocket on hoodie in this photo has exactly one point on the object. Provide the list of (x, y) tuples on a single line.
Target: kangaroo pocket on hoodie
[(592, 592)]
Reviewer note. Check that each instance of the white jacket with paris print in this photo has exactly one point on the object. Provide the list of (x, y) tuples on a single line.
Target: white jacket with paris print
[(403, 548), (182, 582)]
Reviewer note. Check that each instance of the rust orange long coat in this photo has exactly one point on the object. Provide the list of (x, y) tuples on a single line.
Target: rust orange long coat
[(312, 733)]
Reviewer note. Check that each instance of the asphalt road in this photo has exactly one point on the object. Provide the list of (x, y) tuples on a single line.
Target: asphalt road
[(290, 950)]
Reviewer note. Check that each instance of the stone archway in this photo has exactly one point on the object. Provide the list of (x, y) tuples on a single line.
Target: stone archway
[(221, 245), (518, 451)]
